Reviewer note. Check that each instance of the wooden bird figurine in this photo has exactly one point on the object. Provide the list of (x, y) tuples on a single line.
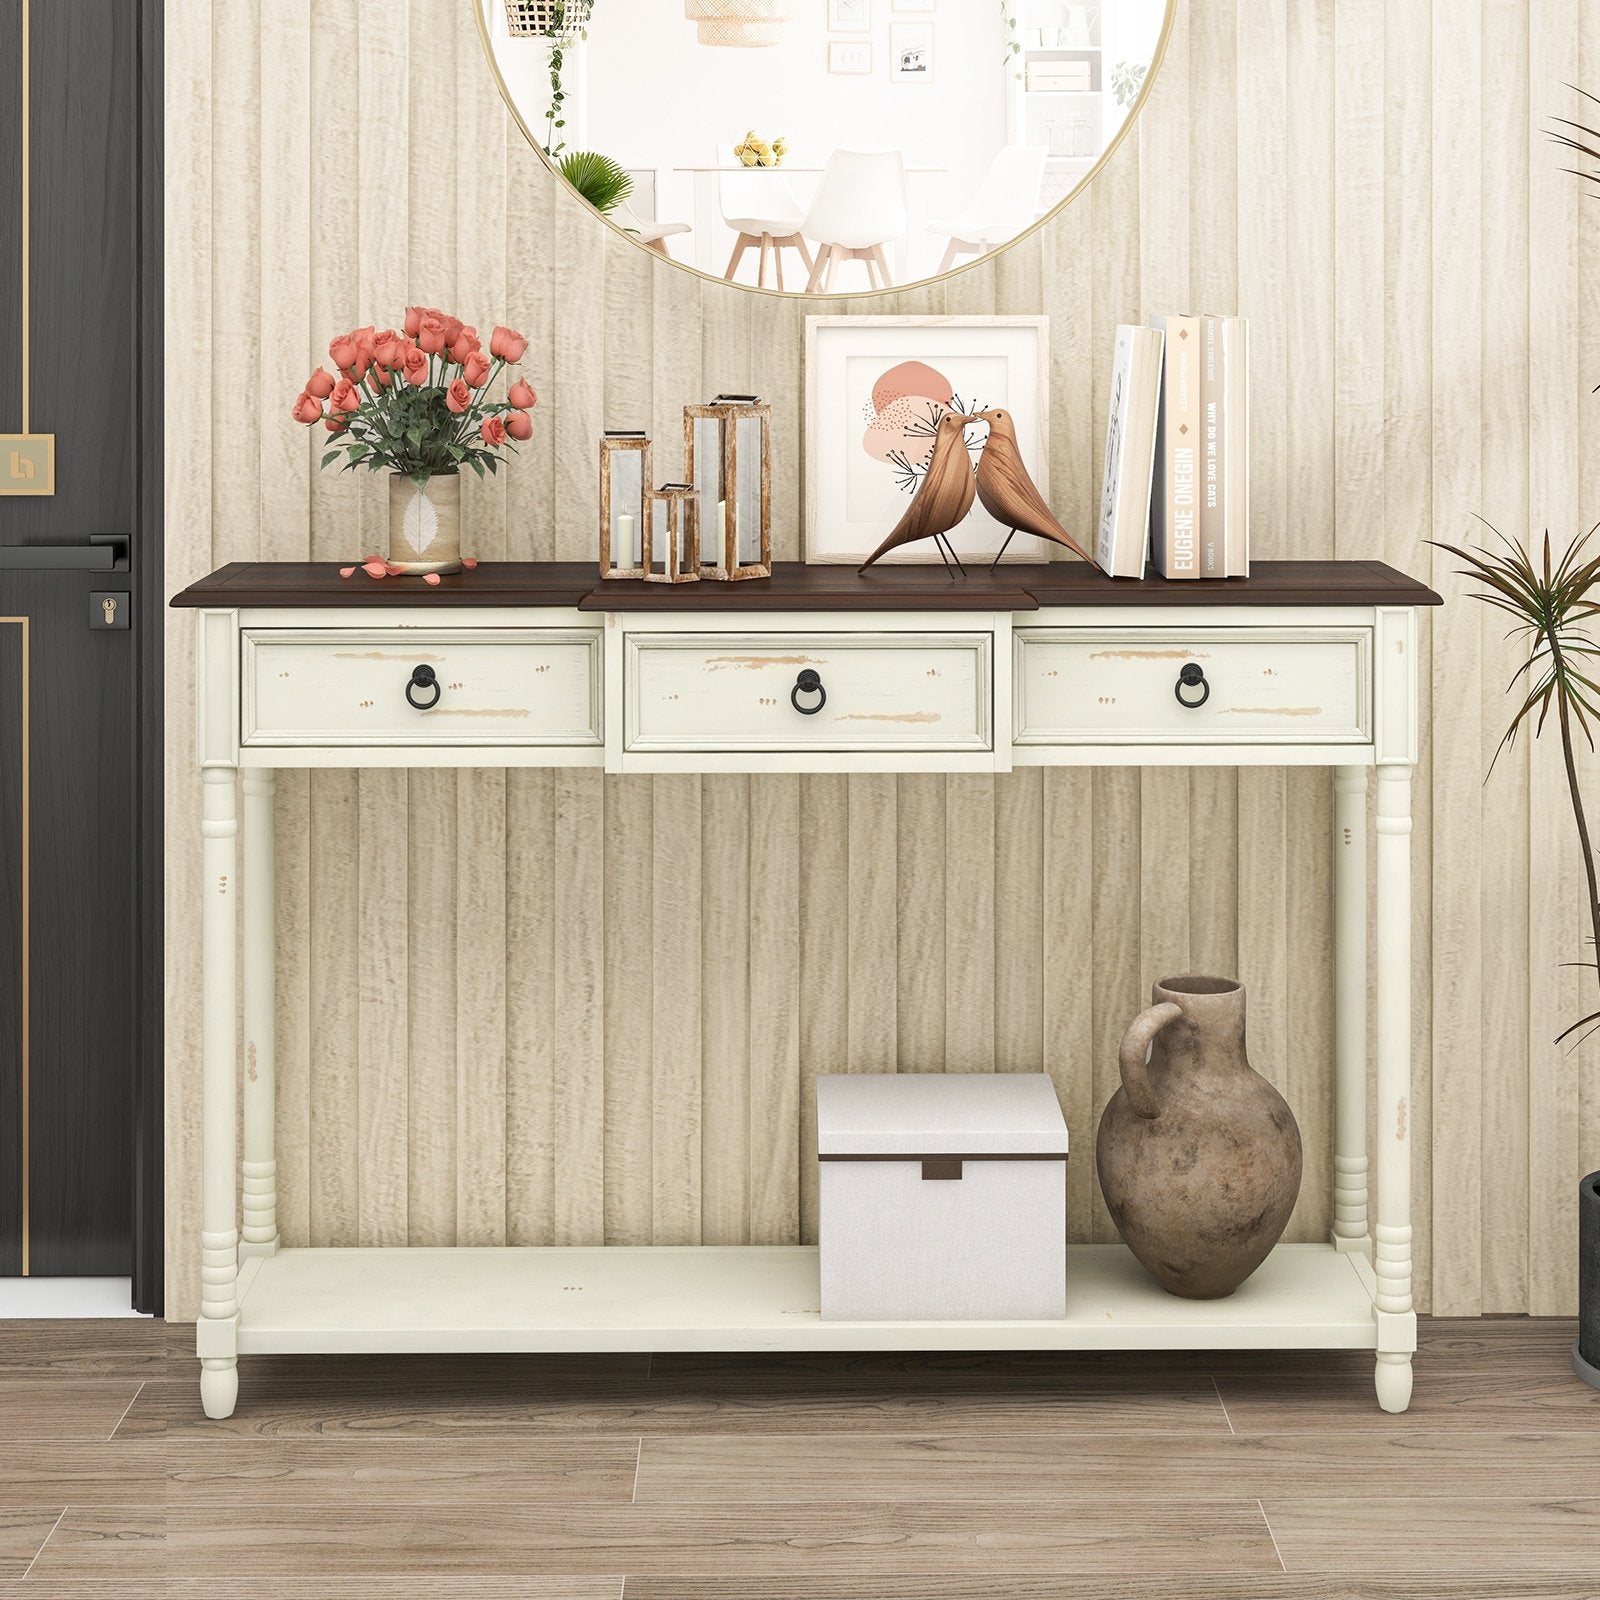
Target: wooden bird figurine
[(943, 498), (1009, 495)]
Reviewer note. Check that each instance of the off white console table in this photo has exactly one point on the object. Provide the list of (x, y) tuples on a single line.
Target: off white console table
[(816, 670)]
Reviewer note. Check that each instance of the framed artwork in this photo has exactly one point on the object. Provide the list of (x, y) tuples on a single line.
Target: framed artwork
[(911, 52), (876, 388), (850, 57), (849, 16)]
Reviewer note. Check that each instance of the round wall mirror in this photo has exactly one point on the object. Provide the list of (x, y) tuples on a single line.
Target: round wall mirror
[(825, 146)]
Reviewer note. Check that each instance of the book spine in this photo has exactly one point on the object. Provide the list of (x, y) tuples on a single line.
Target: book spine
[(1213, 417), (1236, 425), (1177, 506)]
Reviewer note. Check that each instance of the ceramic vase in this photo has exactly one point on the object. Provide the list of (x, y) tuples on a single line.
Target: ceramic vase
[(425, 523), (1199, 1156), (1586, 1352)]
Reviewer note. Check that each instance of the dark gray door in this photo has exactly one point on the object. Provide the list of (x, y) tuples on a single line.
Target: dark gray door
[(80, 733)]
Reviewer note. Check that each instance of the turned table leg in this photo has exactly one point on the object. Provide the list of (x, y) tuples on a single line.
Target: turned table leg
[(1350, 1009), (1397, 1322), (217, 1332), (260, 1022)]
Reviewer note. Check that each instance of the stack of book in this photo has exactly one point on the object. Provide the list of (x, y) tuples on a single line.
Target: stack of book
[(1177, 465)]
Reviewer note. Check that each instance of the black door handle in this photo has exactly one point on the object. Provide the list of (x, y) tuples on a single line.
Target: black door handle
[(424, 678), (1193, 676), (105, 552), (808, 683)]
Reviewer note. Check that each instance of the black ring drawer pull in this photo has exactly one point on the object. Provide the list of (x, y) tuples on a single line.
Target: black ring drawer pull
[(423, 677), (808, 682), (1193, 676)]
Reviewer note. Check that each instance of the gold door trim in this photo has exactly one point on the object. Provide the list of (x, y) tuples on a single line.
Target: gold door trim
[(27, 977), (27, 207)]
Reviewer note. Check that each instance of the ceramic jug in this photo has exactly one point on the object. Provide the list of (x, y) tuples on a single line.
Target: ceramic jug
[(1080, 26), (1199, 1156)]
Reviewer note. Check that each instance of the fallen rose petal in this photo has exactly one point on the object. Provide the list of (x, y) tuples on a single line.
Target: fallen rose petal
[(431, 577), (469, 562), (347, 572), (374, 568)]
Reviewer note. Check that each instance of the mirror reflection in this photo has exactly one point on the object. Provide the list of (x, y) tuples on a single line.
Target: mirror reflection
[(824, 146)]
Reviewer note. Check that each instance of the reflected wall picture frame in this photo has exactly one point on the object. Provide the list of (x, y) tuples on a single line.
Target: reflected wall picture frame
[(875, 387), (911, 52), (485, 11), (849, 16), (850, 58)]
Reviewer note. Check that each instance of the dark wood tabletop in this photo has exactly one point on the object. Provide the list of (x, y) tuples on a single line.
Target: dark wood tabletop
[(797, 587)]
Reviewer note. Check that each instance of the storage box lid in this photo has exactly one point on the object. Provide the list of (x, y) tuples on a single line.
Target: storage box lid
[(938, 1114)]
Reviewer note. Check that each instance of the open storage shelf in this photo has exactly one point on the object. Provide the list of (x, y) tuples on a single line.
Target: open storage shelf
[(754, 1297)]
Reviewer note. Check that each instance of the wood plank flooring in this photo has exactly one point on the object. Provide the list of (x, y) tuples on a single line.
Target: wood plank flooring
[(800, 1477)]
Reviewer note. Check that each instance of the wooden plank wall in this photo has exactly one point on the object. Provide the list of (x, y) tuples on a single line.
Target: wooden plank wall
[(550, 1007)]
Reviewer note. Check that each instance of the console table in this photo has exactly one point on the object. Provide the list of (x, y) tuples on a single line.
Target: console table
[(816, 670)]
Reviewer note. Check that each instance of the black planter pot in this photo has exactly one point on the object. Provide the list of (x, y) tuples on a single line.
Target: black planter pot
[(1586, 1352)]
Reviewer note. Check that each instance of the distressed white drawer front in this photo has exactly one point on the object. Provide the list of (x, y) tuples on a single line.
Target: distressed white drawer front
[(497, 687), (1259, 686), (736, 692)]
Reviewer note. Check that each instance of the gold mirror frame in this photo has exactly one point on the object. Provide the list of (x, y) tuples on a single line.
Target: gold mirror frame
[(1134, 112)]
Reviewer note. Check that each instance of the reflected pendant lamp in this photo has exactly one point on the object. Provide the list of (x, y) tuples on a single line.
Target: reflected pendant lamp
[(739, 24)]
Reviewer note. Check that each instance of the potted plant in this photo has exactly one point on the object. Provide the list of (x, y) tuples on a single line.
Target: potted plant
[(416, 404), (1551, 602)]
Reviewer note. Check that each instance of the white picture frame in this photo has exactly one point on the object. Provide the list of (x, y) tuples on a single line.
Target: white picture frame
[(849, 16), (867, 441), (850, 58), (911, 52)]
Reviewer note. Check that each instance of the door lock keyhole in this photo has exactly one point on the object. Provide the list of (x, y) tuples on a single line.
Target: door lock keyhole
[(109, 607)]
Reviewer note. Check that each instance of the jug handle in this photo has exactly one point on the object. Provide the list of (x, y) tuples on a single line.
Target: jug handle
[(1136, 1044)]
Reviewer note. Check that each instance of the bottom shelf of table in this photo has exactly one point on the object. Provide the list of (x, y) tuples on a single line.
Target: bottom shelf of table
[(709, 1298)]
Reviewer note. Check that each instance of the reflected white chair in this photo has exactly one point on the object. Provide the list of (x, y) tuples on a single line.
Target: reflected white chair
[(1006, 204), (648, 232), (758, 204), (860, 206)]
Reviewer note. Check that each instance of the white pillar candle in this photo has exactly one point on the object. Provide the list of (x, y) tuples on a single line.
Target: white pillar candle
[(626, 553)]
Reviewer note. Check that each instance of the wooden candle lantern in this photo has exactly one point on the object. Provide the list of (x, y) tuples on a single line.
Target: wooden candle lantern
[(625, 502), (727, 449), (674, 525)]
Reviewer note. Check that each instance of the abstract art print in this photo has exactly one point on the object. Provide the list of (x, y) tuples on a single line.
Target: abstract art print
[(876, 389), (849, 16)]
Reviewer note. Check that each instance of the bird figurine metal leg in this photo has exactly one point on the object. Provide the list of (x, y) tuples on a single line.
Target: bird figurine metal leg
[(1003, 548), (943, 498), (1010, 495)]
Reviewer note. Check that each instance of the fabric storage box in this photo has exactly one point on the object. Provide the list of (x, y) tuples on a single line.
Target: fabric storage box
[(943, 1197)]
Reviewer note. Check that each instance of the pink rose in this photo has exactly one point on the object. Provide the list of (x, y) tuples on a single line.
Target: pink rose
[(344, 397), (335, 424), (389, 349), (344, 351), (507, 345), (433, 334), (522, 396), (493, 431), (415, 366), (458, 397), (379, 376), (519, 425), (475, 369), (414, 316), (307, 409), (319, 385), (464, 344)]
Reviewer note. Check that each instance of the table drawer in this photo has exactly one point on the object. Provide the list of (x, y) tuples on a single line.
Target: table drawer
[(886, 692), (495, 686), (1252, 685)]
